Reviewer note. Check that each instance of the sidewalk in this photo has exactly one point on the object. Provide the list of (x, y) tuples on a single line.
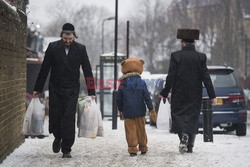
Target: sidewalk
[(111, 151)]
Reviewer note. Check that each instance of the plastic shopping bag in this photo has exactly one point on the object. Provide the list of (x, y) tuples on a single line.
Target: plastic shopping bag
[(100, 124), (80, 107), (163, 116), (90, 121), (34, 118)]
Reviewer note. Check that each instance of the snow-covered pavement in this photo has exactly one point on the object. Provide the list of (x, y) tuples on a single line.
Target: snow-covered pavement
[(111, 150)]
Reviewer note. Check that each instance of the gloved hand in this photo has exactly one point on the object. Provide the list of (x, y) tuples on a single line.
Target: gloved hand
[(152, 115), (121, 116), (164, 93), (164, 100)]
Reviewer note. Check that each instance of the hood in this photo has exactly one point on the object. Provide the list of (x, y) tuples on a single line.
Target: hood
[(133, 81)]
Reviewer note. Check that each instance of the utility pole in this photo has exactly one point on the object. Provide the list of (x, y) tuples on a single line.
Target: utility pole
[(114, 108), (127, 39)]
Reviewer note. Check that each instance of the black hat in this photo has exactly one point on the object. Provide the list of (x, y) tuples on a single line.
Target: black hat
[(188, 34), (68, 27)]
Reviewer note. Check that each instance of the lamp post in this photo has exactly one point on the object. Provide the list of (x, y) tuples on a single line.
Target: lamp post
[(109, 18), (114, 108), (127, 39)]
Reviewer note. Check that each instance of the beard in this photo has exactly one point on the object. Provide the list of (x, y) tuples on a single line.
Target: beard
[(67, 44)]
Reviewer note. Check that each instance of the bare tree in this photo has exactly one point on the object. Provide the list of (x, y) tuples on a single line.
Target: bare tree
[(149, 31), (219, 22), (87, 21)]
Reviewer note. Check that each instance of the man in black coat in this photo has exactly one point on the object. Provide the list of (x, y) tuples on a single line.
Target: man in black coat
[(186, 73), (63, 59)]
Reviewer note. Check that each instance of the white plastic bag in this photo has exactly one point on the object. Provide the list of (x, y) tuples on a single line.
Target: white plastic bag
[(163, 116), (34, 118), (80, 107), (100, 124), (90, 121)]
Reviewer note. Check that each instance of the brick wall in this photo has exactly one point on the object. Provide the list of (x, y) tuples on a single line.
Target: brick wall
[(12, 78)]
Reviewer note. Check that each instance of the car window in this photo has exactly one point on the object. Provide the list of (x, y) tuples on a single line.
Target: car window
[(154, 84), (160, 84), (151, 83), (222, 78)]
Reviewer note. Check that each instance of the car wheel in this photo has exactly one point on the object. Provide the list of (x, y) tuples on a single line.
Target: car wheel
[(230, 129), (241, 129)]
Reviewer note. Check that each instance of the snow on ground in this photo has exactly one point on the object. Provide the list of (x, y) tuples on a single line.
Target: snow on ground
[(111, 150)]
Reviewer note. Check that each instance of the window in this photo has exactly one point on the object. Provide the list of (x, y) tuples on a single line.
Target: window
[(223, 78)]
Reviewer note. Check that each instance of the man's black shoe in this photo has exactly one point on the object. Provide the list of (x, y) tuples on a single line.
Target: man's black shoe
[(133, 154), (66, 155), (56, 146), (42, 136), (190, 150), (143, 153)]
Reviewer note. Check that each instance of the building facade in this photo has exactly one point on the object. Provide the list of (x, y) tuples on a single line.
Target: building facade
[(13, 46)]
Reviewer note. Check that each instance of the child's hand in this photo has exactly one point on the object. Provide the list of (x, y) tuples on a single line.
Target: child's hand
[(152, 114)]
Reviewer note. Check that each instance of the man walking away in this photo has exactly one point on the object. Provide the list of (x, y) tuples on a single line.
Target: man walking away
[(186, 73)]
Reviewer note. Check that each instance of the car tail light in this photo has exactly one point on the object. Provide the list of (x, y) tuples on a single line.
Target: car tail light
[(243, 115), (235, 99)]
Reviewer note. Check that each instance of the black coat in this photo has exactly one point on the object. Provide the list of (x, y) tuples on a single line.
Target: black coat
[(63, 83), (186, 73)]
